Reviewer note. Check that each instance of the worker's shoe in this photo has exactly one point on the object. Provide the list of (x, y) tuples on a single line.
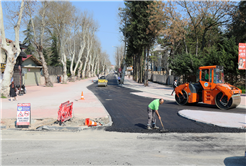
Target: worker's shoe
[(148, 127), (155, 127)]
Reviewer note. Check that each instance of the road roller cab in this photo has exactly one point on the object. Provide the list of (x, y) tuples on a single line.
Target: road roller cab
[(211, 89)]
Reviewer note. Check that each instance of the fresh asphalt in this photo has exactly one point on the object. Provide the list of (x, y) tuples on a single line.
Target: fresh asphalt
[(129, 112)]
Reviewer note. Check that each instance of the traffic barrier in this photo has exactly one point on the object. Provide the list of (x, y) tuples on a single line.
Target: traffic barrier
[(88, 122), (65, 112), (82, 96)]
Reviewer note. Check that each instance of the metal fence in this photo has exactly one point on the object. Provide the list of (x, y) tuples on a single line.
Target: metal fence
[(55, 70)]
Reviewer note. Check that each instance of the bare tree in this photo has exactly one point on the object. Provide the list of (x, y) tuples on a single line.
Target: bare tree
[(39, 45), (89, 38), (84, 26), (12, 49), (59, 18)]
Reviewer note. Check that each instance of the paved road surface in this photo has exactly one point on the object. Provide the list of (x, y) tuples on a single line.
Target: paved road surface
[(129, 112), (116, 148)]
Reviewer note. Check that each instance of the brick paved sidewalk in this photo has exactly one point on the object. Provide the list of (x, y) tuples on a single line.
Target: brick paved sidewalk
[(45, 101)]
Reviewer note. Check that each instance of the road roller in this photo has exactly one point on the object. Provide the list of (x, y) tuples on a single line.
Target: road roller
[(211, 89)]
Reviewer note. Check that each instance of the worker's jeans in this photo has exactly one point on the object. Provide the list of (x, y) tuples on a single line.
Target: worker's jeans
[(151, 116)]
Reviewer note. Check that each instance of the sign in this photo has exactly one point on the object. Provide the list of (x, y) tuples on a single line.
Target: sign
[(241, 56), (3, 66), (206, 84), (23, 114)]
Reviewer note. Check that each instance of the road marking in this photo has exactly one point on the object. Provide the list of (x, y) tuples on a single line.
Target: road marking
[(108, 99)]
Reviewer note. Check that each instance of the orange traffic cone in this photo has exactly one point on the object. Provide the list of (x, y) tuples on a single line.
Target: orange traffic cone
[(82, 96), (88, 122)]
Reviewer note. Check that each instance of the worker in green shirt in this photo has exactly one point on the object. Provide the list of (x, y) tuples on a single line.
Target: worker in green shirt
[(152, 110)]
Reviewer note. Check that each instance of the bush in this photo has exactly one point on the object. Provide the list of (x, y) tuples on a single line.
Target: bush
[(242, 88)]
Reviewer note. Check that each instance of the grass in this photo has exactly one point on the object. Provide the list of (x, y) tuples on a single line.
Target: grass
[(2, 96)]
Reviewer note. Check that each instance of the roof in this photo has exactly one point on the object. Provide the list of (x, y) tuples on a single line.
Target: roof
[(7, 40), (32, 58)]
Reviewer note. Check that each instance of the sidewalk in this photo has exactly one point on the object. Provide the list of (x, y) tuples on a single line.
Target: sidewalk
[(45, 101), (155, 90)]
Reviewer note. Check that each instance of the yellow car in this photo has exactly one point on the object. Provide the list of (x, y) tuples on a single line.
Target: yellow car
[(102, 81)]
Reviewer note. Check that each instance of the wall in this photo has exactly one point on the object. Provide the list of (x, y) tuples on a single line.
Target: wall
[(162, 79)]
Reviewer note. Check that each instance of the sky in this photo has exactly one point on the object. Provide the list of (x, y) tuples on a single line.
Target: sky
[(106, 14)]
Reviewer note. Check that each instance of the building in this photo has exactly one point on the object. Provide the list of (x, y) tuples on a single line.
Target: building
[(31, 71), (161, 63)]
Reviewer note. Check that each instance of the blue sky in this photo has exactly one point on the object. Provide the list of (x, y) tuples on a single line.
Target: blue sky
[(105, 13)]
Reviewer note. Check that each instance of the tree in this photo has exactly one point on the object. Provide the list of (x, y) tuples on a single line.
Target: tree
[(29, 39), (13, 49), (135, 29), (39, 45), (59, 18), (54, 58), (237, 27)]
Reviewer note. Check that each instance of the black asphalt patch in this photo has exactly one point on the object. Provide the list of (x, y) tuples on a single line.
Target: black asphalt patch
[(129, 112)]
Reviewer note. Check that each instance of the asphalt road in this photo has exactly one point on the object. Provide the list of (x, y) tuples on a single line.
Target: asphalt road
[(129, 112)]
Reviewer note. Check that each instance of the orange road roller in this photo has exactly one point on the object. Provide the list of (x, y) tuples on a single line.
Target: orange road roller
[(211, 89)]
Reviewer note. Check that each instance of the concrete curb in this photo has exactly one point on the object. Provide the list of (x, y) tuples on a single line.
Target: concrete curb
[(55, 128)]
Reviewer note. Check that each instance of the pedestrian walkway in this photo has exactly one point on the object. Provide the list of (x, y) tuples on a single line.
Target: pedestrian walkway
[(45, 101), (155, 90), (222, 119)]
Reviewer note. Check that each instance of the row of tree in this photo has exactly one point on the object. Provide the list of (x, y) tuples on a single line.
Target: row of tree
[(195, 33), (58, 34)]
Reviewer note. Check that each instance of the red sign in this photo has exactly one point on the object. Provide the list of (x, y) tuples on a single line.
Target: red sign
[(241, 56)]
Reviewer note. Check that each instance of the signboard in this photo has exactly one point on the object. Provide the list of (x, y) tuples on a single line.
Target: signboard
[(23, 114), (3, 65), (242, 56)]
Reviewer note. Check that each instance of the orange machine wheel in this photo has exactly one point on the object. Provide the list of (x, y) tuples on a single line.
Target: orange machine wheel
[(221, 103), (182, 99)]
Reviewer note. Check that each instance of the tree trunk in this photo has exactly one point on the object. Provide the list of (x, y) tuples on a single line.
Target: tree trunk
[(145, 68), (48, 83), (196, 46), (72, 71), (79, 69), (64, 65), (12, 51), (9, 70)]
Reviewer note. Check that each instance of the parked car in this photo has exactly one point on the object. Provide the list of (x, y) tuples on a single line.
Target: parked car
[(102, 81)]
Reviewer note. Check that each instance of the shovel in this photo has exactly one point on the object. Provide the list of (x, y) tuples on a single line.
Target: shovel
[(163, 130)]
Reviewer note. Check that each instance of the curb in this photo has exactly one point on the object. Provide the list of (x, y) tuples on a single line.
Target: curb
[(58, 128)]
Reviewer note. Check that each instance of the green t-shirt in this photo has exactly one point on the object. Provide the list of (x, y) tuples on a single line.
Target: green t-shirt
[(154, 105)]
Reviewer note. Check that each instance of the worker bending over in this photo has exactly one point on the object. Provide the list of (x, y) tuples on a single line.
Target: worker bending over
[(152, 110)]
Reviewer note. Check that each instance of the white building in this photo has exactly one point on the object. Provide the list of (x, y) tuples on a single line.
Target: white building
[(161, 64)]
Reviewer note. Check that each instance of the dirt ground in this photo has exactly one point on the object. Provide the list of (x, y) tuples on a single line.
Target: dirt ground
[(35, 123)]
